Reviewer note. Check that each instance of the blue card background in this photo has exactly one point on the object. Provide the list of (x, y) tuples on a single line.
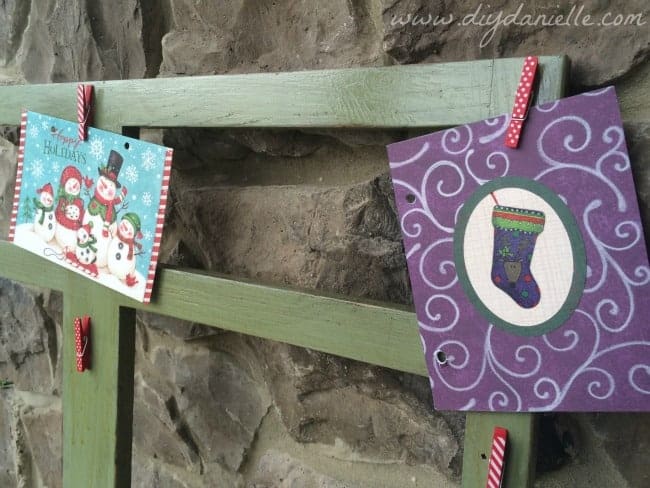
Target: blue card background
[(141, 172)]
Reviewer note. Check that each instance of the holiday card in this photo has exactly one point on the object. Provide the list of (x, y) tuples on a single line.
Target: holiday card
[(528, 266), (96, 207)]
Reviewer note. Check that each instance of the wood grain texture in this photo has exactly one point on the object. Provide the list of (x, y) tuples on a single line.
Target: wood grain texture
[(424, 95), (382, 335), (98, 403), (520, 450)]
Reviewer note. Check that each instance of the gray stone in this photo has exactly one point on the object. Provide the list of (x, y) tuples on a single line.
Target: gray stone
[(207, 148), (7, 436), (28, 339), (220, 409), (638, 139), (418, 38), (8, 155), (42, 423), (73, 40), (619, 433), (196, 148), (205, 404), (182, 329), (290, 143), (279, 470), (328, 400), (341, 239), (14, 15), (286, 35), (589, 463), (150, 472), (599, 54), (154, 432), (361, 137), (634, 95)]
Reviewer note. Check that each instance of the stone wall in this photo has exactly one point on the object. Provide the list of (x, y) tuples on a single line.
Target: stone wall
[(313, 210)]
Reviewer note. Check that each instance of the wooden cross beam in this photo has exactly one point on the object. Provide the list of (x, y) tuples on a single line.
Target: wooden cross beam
[(98, 404)]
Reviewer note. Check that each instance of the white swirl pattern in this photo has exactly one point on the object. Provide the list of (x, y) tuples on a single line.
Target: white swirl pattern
[(605, 355)]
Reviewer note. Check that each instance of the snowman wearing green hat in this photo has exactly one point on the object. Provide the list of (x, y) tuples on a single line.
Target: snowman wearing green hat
[(122, 249)]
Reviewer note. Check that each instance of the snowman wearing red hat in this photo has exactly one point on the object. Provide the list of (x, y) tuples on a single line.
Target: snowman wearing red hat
[(69, 209), (44, 223), (121, 255), (101, 209)]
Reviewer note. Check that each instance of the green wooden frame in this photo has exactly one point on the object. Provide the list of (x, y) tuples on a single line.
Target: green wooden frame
[(432, 95)]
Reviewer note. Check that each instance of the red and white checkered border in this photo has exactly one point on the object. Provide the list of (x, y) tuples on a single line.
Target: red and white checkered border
[(19, 176), (160, 220)]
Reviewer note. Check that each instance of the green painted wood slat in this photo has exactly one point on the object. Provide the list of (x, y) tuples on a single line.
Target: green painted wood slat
[(424, 95), (98, 404), (521, 449), (405, 96), (382, 335)]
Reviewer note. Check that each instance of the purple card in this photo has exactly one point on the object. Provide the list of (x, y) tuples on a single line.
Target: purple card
[(528, 266)]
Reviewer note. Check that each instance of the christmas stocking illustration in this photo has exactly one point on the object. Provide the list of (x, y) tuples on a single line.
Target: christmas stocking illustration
[(515, 234)]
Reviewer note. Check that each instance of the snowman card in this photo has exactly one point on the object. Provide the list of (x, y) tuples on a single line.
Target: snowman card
[(96, 207), (528, 266)]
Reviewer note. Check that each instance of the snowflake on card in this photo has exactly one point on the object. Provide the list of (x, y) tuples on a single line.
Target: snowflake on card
[(36, 169), (147, 235), (33, 131), (97, 148), (45, 125), (55, 166), (131, 174), (148, 160), (146, 199)]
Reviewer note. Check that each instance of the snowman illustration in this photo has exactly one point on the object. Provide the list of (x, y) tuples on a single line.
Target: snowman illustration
[(121, 255), (69, 209), (101, 209), (85, 254), (44, 223)]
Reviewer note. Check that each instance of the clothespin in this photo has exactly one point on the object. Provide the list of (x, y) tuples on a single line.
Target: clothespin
[(523, 99), (497, 458), (6, 384), (82, 342), (84, 105)]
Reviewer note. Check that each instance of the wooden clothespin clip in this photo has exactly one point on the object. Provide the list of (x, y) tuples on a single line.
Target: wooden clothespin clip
[(82, 342), (523, 99), (496, 465), (84, 105)]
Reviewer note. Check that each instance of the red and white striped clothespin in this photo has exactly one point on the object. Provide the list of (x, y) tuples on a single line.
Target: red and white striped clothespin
[(82, 342), (523, 97), (84, 105), (497, 458)]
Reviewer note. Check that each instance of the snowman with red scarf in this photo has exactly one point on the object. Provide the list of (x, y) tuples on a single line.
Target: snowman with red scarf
[(101, 208), (69, 210), (121, 255)]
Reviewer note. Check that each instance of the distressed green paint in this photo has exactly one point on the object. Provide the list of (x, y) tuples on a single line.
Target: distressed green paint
[(423, 95), (521, 448), (98, 403), (379, 334)]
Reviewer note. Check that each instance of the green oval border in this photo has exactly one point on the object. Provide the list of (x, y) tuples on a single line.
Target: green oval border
[(575, 238)]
